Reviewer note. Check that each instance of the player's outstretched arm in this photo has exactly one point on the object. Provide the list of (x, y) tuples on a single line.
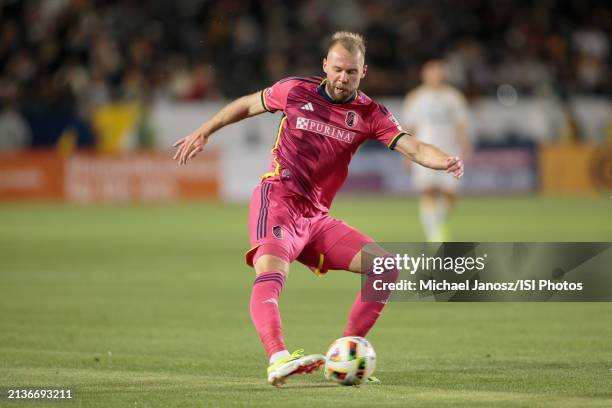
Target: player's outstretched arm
[(429, 156), (194, 143)]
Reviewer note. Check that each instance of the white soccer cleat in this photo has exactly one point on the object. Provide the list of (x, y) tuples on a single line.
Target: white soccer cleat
[(296, 363)]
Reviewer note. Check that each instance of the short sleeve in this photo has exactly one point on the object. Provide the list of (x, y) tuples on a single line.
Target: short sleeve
[(274, 98), (385, 128)]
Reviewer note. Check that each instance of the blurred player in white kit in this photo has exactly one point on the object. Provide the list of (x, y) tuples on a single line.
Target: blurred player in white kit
[(437, 113)]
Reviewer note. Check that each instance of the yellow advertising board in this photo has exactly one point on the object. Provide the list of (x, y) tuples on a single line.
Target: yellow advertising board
[(575, 169)]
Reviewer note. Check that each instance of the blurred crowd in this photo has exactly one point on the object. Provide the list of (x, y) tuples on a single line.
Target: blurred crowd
[(69, 56)]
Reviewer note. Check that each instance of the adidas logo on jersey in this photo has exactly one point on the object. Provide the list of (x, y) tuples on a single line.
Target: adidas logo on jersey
[(308, 107)]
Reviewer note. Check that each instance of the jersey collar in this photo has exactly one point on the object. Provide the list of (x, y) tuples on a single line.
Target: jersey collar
[(323, 93)]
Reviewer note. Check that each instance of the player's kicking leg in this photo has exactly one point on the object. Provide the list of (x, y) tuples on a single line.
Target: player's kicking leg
[(271, 274), (345, 254), (369, 303)]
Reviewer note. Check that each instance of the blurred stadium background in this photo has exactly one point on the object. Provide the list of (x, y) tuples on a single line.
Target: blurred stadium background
[(121, 77), (122, 272)]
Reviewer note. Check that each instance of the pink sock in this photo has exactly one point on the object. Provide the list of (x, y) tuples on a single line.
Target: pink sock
[(264, 310), (364, 313)]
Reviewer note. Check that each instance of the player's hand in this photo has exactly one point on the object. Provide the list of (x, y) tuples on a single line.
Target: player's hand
[(189, 146), (454, 166)]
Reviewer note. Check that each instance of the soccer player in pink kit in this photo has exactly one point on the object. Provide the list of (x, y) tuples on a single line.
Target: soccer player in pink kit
[(324, 122)]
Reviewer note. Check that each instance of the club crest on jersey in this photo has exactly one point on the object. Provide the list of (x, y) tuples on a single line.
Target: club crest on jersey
[(350, 119), (277, 231)]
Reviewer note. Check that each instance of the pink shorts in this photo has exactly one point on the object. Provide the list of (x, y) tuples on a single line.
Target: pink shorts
[(286, 225)]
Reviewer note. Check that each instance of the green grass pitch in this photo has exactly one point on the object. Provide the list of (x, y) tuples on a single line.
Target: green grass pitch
[(147, 306)]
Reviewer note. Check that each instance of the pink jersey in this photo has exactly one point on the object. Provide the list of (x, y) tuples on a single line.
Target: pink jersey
[(317, 136)]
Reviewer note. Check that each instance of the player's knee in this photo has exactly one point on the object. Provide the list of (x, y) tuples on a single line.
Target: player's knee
[(382, 271), (362, 261), (391, 275), (268, 263), (271, 258), (384, 268)]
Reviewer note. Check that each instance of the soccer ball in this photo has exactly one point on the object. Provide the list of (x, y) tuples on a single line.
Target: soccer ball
[(350, 361)]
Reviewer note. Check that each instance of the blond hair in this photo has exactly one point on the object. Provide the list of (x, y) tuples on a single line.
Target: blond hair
[(352, 42)]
